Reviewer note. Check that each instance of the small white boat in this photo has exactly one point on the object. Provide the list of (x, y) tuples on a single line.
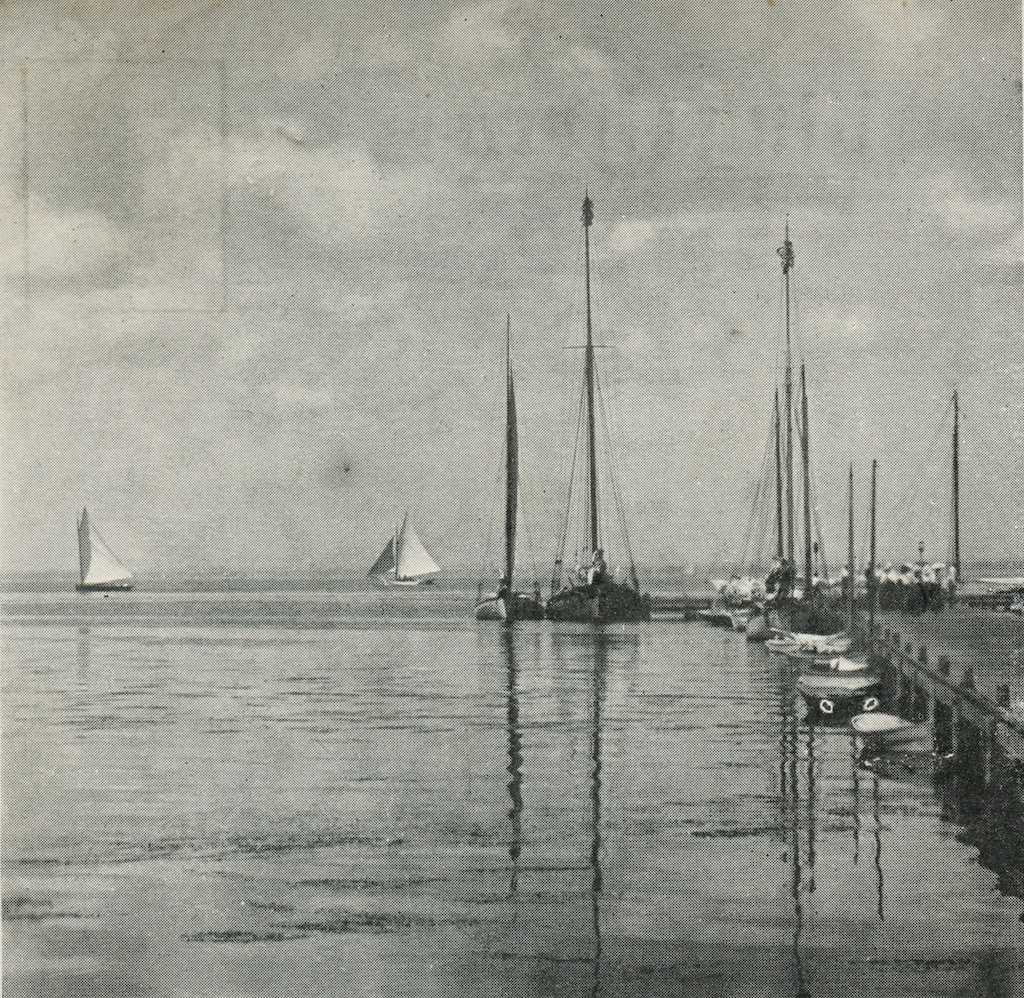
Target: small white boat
[(835, 684), (739, 619), (99, 569), (404, 561), (894, 732), (840, 663)]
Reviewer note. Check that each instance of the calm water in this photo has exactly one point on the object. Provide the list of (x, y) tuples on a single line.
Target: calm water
[(243, 794)]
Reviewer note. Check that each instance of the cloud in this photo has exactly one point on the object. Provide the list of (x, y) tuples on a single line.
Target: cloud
[(478, 32)]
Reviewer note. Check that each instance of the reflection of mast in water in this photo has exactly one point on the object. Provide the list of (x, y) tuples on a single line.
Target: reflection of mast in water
[(796, 860), (789, 797), (790, 794), (855, 802), (596, 873), (515, 759), (878, 846), (812, 802)]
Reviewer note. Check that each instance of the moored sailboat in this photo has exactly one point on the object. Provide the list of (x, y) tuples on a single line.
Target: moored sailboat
[(99, 569), (505, 603), (404, 561), (594, 595)]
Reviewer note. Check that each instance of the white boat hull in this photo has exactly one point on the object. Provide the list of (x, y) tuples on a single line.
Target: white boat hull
[(520, 607), (492, 609), (891, 732)]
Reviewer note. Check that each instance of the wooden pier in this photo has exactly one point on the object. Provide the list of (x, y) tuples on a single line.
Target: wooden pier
[(968, 723)]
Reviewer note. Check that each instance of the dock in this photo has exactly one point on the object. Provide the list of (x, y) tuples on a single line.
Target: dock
[(962, 675)]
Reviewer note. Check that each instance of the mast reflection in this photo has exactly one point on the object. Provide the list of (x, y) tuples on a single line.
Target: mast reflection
[(515, 758), (789, 798), (596, 842)]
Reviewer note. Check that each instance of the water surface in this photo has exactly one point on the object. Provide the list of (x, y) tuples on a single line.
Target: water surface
[(355, 794)]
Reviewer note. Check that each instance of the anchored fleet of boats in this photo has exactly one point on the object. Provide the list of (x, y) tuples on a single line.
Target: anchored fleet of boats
[(793, 609)]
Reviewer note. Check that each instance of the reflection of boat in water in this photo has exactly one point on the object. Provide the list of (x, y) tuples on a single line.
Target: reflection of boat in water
[(404, 561), (506, 603), (100, 571), (593, 594)]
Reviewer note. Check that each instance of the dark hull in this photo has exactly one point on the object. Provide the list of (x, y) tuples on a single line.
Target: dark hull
[(104, 587), (605, 603), (841, 703)]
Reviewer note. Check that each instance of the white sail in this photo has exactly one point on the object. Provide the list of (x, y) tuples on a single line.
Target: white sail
[(413, 560), (385, 564), (99, 566)]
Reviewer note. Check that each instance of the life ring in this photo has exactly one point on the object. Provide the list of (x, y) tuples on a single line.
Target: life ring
[(826, 706), (871, 703)]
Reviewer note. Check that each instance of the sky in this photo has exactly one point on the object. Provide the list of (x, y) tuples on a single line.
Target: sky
[(258, 260)]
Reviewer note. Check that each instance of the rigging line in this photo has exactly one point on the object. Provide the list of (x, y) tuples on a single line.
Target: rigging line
[(613, 478), (560, 551), (760, 495), (753, 496), (812, 499)]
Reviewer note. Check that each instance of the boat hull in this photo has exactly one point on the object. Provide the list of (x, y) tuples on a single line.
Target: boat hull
[(842, 695), (519, 607), (838, 664), (605, 603), (401, 583), (888, 732), (758, 628), (104, 587)]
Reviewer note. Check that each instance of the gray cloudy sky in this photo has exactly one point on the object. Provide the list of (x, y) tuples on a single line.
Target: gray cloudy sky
[(257, 260)]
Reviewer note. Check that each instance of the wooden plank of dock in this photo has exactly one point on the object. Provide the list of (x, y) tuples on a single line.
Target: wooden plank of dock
[(944, 663)]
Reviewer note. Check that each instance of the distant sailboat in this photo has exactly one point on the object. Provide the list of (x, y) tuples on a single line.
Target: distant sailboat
[(506, 604), (100, 571), (593, 594), (404, 561)]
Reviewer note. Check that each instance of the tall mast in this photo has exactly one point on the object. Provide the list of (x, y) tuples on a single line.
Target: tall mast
[(805, 450), (588, 219), (83, 543), (788, 260), (511, 459), (851, 567), (872, 588), (956, 484), (780, 537)]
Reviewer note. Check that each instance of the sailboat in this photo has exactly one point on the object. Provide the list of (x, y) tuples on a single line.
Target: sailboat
[(404, 560), (99, 569), (506, 604), (795, 604), (593, 595)]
